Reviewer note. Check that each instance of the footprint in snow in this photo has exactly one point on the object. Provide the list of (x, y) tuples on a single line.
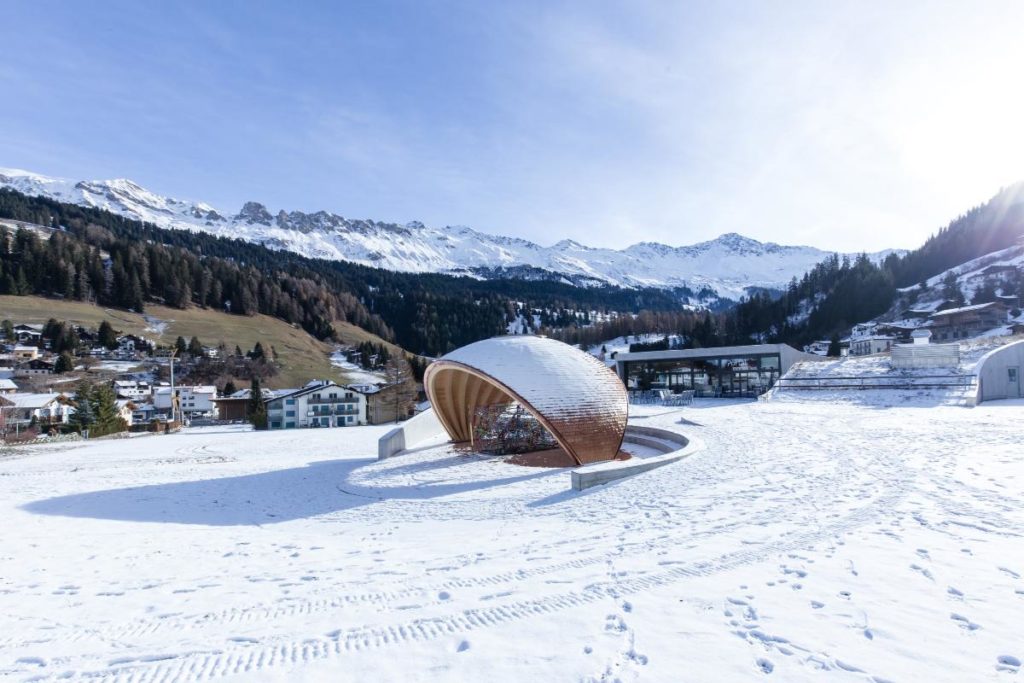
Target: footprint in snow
[(1007, 663)]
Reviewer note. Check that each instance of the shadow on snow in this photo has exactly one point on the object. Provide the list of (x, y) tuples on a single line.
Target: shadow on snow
[(272, 497)]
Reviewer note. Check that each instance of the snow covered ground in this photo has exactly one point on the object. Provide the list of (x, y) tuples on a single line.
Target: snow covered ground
[(353, 373), (808, 542)]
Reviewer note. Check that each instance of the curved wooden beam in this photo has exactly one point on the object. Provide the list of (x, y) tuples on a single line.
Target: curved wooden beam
[(590, 433)]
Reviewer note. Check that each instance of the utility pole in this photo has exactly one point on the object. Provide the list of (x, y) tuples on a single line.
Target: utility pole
[(173, 353)]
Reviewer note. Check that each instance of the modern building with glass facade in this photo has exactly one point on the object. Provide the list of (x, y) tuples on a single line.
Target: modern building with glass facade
[(719, 371)]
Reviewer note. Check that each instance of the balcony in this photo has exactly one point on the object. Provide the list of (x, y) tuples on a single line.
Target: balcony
[(331, 401), (340, 413)]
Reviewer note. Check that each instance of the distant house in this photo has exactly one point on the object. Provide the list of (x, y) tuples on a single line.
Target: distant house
[(318, 404), (27, 334), (235, 408), (876, 343), (143, 413), (7, 386), (967, 321), (380, 403), (194, 401), (33, 368), (131, 389), (131, 344), (46, 409), (22, 352)]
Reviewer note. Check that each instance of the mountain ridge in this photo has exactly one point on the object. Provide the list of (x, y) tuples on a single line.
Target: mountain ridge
[(729, 265)]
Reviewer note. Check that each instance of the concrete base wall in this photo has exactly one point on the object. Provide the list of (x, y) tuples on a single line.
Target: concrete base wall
[(411, 432), (675, 447), (992, 371)]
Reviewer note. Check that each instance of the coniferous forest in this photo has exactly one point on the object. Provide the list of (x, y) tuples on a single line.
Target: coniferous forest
[(94, 255)]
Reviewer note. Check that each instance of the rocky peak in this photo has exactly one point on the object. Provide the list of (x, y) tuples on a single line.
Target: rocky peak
[(254, 212)]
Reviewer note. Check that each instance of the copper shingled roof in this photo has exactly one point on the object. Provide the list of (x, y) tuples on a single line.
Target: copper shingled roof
[(575, 396)]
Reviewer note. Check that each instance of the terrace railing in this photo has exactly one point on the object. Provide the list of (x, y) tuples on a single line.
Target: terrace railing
[(879, 382)]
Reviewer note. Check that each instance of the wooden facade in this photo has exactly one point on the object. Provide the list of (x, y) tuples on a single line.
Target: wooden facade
[(579, 400)]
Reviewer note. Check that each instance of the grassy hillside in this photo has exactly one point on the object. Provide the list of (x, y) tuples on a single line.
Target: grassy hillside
[(302, 357)]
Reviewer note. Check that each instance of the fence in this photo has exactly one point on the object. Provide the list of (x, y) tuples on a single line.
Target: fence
[(73, 436), (661, 397), (907, 356), (878, 382)]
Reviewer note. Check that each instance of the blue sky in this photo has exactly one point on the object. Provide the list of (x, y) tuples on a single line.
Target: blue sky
[(846, 125)]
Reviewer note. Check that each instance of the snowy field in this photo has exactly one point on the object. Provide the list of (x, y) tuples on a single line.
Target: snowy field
[(808, 542)]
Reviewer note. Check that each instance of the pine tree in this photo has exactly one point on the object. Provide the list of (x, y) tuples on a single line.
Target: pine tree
[(180, 346), (107, 335), (84, 417), (8, 329), (229, 388), (257, 408), (108, 419), (834, 350), (64, 363), (195, 348)]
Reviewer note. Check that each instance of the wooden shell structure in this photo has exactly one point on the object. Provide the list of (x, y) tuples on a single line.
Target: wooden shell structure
[(578, 399)]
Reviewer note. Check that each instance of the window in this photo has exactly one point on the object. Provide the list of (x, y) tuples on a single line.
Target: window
[(289, 413), (289, 401), (350, 419), (289, 425), (275, 425)]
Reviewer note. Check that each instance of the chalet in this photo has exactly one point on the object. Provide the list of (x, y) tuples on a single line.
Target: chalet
[(875, 343), (131, 389), (23, 352), (235, 408), (8, 386), (967, 321), (194, 401), (27, 334), (44, 409), (381, 407), (131, 344), (33, 368), (318, 404)]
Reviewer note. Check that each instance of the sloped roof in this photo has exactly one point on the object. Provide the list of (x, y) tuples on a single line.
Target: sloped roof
[(31, 400), (967, 309), (578, 399)]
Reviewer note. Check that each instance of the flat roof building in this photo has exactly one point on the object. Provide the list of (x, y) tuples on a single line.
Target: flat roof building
[(737, 371)]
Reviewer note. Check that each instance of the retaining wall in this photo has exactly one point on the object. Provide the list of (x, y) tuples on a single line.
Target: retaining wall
[(409, 433), (674, 447)]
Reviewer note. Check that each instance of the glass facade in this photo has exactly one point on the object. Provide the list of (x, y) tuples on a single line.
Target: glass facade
[(707, 376)]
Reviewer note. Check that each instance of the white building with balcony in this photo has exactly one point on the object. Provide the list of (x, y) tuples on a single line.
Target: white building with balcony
[(192, 401), (318, 404)]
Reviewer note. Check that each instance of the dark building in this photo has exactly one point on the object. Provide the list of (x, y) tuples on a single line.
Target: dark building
[(718, 371)]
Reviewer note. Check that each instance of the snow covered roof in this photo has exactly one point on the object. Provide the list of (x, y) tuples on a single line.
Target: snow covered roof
[(365, 388), (31, 400), (198, 389), (6, 383), (576, 397), (966, 309)]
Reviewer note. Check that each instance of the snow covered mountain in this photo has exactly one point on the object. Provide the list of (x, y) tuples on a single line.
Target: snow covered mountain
[(727, 265)]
